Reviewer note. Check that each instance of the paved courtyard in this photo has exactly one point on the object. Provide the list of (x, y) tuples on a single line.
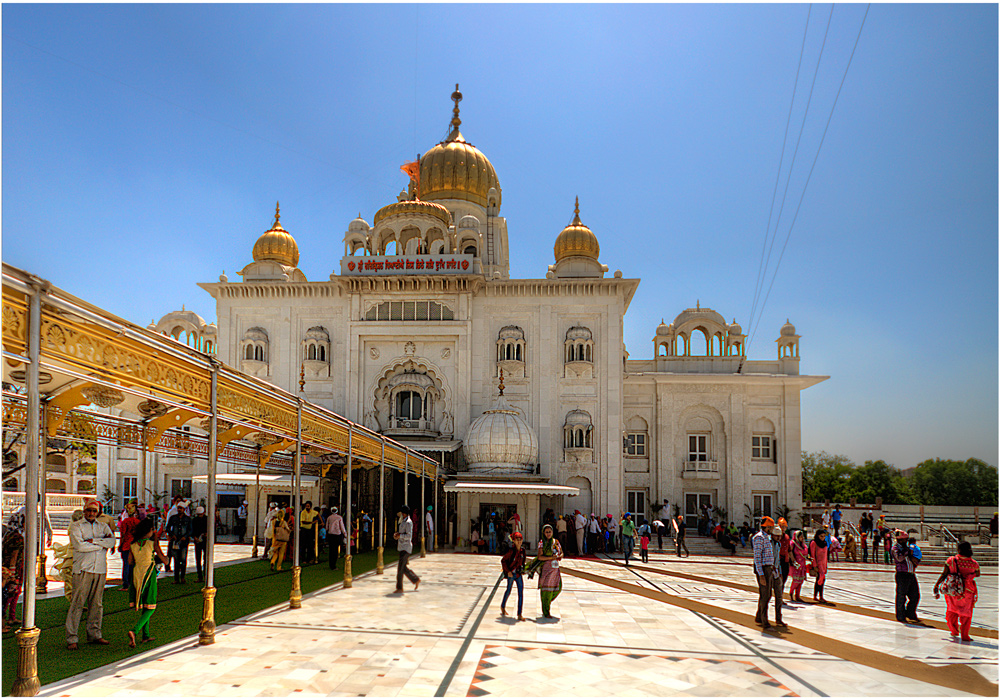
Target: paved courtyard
[(449, 639)]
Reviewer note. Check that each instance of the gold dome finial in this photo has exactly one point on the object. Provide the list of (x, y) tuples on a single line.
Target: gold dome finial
[(576, 213), (456, 98), (501, 378), (277, 212)]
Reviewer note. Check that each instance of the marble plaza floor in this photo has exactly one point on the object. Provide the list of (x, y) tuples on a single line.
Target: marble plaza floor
[(449, 639)]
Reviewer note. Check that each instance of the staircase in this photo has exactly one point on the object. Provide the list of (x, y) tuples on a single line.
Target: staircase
[(936, 555), (701, 546)]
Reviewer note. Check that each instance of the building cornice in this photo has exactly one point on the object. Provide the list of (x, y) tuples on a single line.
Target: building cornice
[(802, 381)]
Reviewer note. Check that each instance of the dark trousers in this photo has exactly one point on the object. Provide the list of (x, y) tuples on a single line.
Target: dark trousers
[(199, 557), (681, 543), (659, 536), (333, 543), (768, 586), (179, 552), (907, 596), (403, 568), (307, 545), (836, 528), (126, 570)]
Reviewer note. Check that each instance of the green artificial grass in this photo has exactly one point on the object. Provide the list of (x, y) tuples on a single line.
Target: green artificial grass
[(242, 589)]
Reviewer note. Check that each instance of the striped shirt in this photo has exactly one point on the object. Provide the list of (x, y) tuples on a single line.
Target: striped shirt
[(763, 552)]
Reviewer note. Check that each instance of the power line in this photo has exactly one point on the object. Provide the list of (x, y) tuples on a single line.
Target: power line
[(809, 177), (774, 195), (795, 154)]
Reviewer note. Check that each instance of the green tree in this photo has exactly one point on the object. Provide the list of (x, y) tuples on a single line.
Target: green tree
[(878, 479), (946, 482), (824, 476)]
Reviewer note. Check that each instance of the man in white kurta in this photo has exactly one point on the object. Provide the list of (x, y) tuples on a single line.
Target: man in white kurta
[(91, 541)]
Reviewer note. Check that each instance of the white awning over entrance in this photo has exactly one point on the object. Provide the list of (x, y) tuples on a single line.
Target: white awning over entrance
[(509, 487), (435, 446)]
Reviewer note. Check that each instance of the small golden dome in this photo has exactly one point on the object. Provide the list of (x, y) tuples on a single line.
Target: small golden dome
[(276, 244), (415, 206), (455, 169), (577, 239)]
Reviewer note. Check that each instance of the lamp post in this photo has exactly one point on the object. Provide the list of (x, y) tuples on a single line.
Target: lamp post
[(348, 579), (379, 564), (27, 684), (206, 630), (295, 600)]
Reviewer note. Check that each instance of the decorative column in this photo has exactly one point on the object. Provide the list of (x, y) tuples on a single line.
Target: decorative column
[(140, 480), (379, 563), (348, 579), (295, 600), (206, 630), (27, 684), (41, 580), (423, 508), (256, 507)]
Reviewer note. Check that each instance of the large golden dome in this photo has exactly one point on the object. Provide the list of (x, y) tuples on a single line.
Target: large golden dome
[(577, 239), (455, 169), (276, 244)]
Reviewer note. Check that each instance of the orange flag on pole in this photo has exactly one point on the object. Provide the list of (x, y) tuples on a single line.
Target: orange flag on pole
[(413, 170)]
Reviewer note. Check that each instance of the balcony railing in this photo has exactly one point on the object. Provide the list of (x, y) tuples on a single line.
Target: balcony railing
[(700, 470), (411, 426)]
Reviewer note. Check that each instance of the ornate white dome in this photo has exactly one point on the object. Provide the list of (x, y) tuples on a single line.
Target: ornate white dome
[(501, 442), (664, 328), (735, 328), (358, 225), (787, 329), (468, 221)]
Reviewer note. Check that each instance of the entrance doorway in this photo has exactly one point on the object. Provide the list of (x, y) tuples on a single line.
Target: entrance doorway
[(504, 511), (763, 504), (692, 507)]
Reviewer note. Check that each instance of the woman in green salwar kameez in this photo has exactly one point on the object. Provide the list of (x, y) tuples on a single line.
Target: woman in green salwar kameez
[(142, 587), (549, 580)]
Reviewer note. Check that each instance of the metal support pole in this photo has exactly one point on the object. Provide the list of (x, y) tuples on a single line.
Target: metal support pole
[(26, 684), (256, 508), (379, 564), (437, 516), (295, 600), (140, 481), (348, 579), (41, 580), (206, 630), (406, 480), (423, 509)]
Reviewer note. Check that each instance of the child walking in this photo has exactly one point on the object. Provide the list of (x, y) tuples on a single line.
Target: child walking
[(644, 533)]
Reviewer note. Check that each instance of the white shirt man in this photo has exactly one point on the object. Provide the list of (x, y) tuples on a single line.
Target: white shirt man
[(429, 529), (666, 516), (91, 541)]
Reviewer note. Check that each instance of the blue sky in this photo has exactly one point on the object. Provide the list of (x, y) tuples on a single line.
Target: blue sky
[(144, 148)]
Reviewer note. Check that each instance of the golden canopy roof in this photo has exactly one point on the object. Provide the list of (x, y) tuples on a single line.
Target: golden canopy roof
[(414, 207), (455, 169), (276, 244), (577, 239)]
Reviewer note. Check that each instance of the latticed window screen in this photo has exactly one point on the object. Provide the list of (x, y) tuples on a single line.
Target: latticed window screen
[(409, 311)]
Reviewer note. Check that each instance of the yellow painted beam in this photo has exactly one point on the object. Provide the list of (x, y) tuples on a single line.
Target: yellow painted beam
[(172, 419), (267, 450), (64, 402)]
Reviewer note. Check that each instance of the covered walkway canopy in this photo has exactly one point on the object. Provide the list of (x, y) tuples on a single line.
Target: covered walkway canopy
[(62, 355)]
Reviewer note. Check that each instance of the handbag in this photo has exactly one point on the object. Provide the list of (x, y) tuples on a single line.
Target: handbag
[(954, 583)]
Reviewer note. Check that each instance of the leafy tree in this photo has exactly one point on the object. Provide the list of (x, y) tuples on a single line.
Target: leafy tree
[(824, 476), (946, 482), (874, 479)]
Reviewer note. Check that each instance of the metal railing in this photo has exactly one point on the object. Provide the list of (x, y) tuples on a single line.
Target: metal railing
[(710, 467)]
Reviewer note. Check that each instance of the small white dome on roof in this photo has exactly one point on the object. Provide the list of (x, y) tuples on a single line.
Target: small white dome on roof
[(787, 329), (468, 221), (699, 313), (664, 328), (500, 441), (358, 225), (735, 328)]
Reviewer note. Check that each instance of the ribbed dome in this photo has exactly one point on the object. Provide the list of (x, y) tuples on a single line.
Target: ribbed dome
[(277, 244), (663, 328), (735, 328), (787, 329), (414, 207), (455, 169), (577, 239), (500, 441)]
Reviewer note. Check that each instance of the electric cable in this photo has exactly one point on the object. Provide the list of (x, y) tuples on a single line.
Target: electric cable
[(774, 195), (791, 168), (809, 177)]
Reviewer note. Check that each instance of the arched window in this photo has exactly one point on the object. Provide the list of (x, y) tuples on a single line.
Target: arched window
[(579, 345), (255, 351), (409, 405), (470, 250), (511, 349), (578, 431)]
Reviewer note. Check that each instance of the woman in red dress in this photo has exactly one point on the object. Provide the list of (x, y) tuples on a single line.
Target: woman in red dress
[(959, 615)]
